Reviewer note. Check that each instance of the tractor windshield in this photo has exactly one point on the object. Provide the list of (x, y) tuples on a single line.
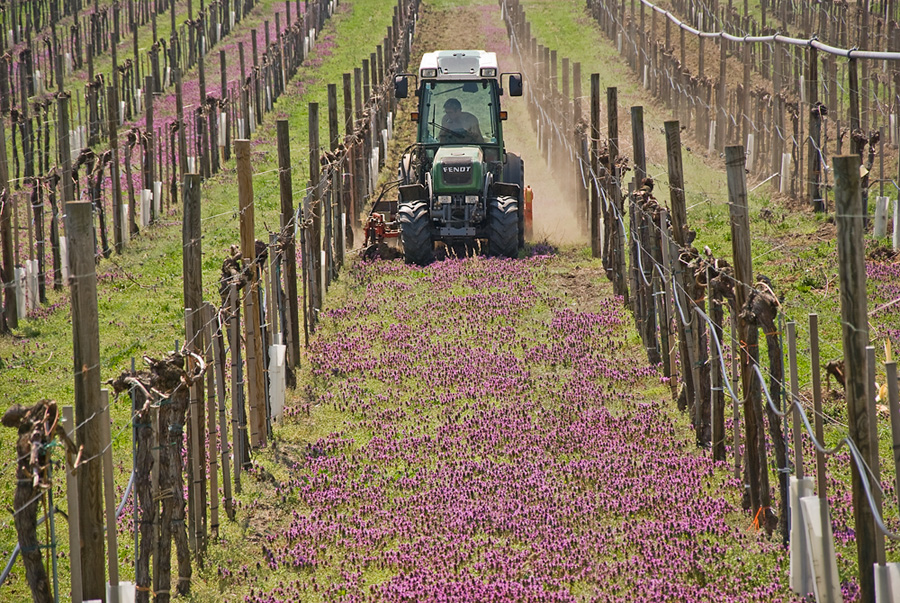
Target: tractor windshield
[(460, 112)]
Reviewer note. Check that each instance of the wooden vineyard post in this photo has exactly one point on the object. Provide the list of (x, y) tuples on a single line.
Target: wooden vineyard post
[(646, 234), (679, 227), (244, 129), (720, 121), (596, 233), (304, 268), (196, 511), (182, 127), (238, 412), (746, 118), (226, 150), (717, 377), (255, 387), (315, 233), (333, 229), (86, 338), (10, 304), (218, 345), (615, 216), (815, 159), (665, 245), (796, 421), (257, 92), (109, 495), (637, 136), (359, 155), (213, 389), (193, 300), (582, 177), (832, 592), (821, 477), (853, 80), (855, 337), (112, 114), (632, 239), (72, 499), (150, 169), (349, 166), (62, 142), (748, 336), (292, 316), (192, 268), (203, 133)]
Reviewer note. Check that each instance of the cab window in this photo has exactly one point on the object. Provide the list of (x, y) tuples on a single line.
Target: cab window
[(458, 112)]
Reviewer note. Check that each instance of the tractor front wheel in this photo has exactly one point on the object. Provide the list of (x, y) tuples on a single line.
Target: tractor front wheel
[(514, 173), (503, 227), (415, 233)]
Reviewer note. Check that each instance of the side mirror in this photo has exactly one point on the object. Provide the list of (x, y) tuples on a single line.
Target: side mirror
[(515, 84), (401, 87)]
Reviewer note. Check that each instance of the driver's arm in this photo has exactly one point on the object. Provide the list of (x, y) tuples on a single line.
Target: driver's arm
[(475, 130)]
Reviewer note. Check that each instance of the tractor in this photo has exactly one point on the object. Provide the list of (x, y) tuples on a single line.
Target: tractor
[(458, 185)]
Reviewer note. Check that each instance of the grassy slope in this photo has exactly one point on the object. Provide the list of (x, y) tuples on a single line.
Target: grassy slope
[(793, 246), (140, 293)]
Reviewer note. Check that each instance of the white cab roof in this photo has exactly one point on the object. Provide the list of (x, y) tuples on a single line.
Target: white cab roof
[(459, 64)]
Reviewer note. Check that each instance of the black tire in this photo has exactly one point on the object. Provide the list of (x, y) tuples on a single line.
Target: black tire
[(503, 227), (415, 233), (514, 173)]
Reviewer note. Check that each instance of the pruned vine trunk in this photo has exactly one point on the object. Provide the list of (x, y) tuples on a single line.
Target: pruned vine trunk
[(36, 429), (138, 385), (761, 310), (169, 376)]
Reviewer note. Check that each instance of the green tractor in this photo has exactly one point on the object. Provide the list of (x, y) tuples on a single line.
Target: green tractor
[(458, 185)]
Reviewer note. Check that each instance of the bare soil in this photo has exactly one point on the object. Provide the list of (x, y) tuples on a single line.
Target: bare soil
[(583, 285)]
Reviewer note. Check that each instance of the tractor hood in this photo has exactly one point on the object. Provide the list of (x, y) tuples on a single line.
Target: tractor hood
[(458, 169)]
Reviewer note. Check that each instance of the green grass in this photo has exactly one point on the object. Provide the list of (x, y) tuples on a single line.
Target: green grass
[(778, 234), (140, 293), (793, 246)]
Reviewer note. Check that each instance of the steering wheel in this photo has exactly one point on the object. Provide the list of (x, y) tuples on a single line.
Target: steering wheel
[(450, 132)]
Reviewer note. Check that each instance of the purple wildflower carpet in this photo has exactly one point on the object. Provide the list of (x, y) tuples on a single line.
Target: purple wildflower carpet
[(493, 435)]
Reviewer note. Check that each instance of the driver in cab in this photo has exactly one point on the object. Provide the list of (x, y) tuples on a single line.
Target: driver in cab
[(459, 126)]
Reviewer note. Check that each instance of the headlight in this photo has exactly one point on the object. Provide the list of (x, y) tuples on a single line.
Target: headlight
[(488, 72), (443, 199), (471, 199), (429, 73)]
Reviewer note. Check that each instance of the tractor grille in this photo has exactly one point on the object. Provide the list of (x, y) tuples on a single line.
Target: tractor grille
[(457, 171)]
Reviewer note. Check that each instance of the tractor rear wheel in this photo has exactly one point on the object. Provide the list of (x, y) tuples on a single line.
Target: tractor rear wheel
[(415, 233), (503, 227)]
